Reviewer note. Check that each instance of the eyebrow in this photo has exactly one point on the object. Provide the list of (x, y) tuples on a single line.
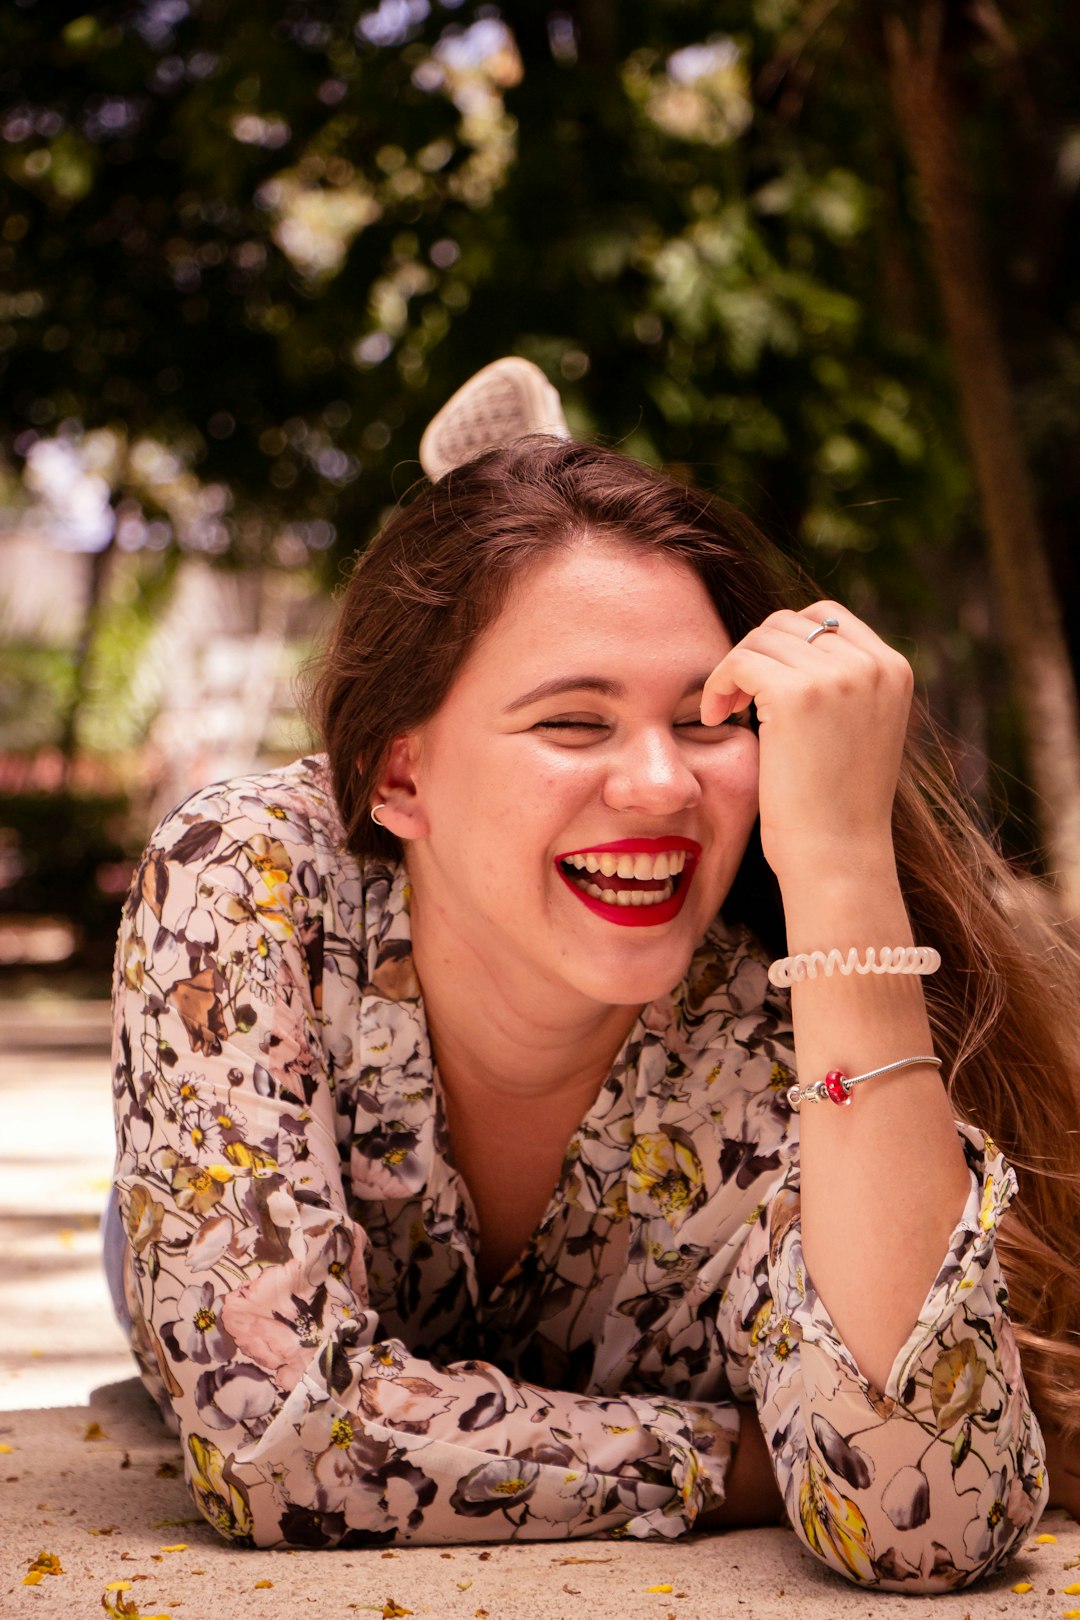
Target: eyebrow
[(600, 684)]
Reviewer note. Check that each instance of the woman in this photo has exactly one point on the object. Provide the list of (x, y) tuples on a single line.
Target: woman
[(469, 1189)]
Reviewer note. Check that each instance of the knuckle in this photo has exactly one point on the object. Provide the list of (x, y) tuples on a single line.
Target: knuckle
[(905, 675)]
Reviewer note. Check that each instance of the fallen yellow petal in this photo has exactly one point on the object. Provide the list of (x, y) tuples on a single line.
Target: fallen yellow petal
[(94, 1431), (262, 1583), (1045, 1541), (118, 1586), (1022, 1586), (665, 1587), (46, 1563), (1071, 1591), (4, 1450), (33, 1578), (177, 1546), (1071, 1614)]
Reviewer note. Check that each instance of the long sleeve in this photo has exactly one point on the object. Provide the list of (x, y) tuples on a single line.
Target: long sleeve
[(934, 1481), (302, 1424)]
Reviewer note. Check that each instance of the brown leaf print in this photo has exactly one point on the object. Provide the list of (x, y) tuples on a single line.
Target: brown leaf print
[(154, 882), (395, 978), (199, 1006), (198, 842)]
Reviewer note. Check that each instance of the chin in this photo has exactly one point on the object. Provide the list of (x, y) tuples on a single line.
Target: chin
[(631, 984)]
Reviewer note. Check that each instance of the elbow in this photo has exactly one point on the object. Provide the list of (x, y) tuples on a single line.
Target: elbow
[(231, 1494), (898, 1539), (220, 1493)]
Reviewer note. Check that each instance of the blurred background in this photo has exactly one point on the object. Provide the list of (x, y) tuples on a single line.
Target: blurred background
[(820, 258)]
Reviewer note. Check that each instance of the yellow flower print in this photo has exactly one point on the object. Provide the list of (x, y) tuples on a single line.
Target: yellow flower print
[(342, 1433), (956, 1384), (780, 1077), (222, 1503), (270, 897), (249, 1158), (196, 1188), (760, 1325), (269, 856), (665, 1167), (986, 1210), (134, 961), (834, 1526)]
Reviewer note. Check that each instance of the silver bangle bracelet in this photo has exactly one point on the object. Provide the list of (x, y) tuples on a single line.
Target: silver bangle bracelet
[(837, 1086)]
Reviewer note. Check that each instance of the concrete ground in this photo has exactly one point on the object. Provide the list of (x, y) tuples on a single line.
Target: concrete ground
[(89, 1476)]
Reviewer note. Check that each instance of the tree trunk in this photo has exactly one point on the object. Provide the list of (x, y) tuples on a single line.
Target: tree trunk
[(97, 582), (1026, 601)]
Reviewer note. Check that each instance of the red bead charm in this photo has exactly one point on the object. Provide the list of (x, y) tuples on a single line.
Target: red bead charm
[(834, 1087)]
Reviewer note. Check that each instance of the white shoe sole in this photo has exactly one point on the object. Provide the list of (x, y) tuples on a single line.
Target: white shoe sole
[(507, 400)]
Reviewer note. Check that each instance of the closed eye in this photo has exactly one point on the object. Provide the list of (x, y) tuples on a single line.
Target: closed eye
[(570, 725)]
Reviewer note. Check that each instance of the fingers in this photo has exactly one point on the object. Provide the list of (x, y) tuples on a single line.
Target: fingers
[(850, 655)]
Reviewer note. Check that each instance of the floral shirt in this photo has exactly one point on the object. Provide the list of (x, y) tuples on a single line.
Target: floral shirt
[(301, 1275)]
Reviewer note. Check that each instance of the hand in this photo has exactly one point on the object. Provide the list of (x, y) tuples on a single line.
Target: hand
[(832, 718)]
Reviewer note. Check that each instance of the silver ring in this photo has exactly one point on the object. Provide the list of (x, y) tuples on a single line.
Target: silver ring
[(374, 817), (826, 627)]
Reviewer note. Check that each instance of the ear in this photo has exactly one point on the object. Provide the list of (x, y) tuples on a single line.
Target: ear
[(397, 790)]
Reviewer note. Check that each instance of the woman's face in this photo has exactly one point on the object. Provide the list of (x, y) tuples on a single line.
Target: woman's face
[(577, 828)]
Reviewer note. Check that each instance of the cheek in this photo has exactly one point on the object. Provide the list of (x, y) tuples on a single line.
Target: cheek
[(730, 778)]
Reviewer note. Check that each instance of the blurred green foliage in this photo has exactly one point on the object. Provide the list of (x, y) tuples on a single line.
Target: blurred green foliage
[(258, 247)]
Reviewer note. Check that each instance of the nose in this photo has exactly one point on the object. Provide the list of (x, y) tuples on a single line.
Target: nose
[(651, 775)]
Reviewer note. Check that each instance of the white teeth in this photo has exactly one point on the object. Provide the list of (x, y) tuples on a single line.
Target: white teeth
[(628, 897), (640, 866)]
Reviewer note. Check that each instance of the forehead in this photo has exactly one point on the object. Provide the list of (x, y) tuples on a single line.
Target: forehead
[(601, 605)]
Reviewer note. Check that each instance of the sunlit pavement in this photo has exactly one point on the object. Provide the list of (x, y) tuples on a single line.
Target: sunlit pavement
[(58, 1339)]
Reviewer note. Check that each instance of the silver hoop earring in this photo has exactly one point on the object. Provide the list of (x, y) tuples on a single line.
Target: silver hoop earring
[(374, 817)]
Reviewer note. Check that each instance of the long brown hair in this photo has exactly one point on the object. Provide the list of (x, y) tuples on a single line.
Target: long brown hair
[(1003, 1005)]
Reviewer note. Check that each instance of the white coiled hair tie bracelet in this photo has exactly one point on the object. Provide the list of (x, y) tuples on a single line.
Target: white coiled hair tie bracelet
[(921, 959)]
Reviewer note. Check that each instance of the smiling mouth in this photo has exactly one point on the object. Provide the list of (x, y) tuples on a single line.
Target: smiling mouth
[(634, 882)]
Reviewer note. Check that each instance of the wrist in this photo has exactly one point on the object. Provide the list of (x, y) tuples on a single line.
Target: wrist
[(858, 905)]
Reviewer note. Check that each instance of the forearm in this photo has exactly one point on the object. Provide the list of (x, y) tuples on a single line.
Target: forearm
[(872, 1242), (751, 1494)]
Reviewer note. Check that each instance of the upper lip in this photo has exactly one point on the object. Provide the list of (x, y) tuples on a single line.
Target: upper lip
[(637, 846)]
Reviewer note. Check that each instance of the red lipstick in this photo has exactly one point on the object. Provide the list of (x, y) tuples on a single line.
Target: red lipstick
[(635, 916)]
